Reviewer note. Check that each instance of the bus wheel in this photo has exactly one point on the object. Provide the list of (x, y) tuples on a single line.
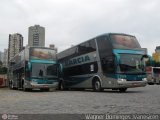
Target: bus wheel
[(122, 89), (61, 85), (158, 83), (24, 89), (27, 89), (150, 83), (12, 87), (10, 84), (97, 85)]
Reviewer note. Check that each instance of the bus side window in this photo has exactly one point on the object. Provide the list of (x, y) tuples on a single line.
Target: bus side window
[(108, 65), (105, 54), (86, 47)]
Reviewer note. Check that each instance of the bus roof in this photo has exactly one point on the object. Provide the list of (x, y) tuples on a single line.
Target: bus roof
[(38, 47), (104, 34)]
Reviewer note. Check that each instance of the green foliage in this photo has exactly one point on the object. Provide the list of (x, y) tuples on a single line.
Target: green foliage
[(149, 63)]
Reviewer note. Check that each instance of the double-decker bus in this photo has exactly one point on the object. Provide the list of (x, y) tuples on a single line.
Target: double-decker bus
[(109, 61), (33, 68)]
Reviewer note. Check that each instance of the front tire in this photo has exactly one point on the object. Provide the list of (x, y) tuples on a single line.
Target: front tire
[(61, 85), (23, 87), (122, 89), (11, 86), (158, 83), (97, 85), (150, 83)]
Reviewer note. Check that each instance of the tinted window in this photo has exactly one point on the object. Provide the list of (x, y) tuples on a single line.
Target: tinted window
[(51, 70), (87, 68), (68, 53), (105, 53), (83, 48), (131, 63), (104, 46), (86, 47), (40, 70), (124, 41), (108, 64)]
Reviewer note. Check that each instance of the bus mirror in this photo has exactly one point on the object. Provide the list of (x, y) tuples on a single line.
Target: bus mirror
[(28, 66), (60, 68), (145, 58)]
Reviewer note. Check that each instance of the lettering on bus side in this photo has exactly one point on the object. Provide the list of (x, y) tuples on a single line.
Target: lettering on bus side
[(77, 60)]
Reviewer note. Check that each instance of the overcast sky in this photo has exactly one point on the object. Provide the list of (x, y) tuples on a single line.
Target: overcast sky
[(69, 22)]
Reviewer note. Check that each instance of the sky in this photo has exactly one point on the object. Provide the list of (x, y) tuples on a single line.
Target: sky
[(69, 22)]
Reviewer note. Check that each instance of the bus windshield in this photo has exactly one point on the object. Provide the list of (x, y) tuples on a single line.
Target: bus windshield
[(124, 41), (156, 70), (130, 63), (44, 70)]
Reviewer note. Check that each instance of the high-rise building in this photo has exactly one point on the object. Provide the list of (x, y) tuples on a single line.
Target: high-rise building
[(5, 58), (36, 36), (15, 45), (1, 56)]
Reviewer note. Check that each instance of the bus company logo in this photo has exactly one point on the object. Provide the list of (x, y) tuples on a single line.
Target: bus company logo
[(4, 116), (77, 60)]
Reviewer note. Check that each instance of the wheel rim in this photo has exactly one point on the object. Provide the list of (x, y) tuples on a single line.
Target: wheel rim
[(97, 85), (12, 86), (61, 86), (122, 89)]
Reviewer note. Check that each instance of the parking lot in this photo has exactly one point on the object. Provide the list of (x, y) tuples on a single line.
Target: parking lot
[(135, 100)]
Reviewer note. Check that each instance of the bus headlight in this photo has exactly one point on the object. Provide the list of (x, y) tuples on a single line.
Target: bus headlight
[(34, 81), (144, 79)]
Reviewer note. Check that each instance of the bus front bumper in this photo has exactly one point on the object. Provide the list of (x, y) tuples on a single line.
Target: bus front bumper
[(130, 84), (54, 85)]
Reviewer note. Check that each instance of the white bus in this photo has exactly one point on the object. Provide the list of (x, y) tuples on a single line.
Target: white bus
[(109, 61)]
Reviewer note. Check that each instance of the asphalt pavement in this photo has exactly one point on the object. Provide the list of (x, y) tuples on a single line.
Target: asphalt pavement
[(142, 100)]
